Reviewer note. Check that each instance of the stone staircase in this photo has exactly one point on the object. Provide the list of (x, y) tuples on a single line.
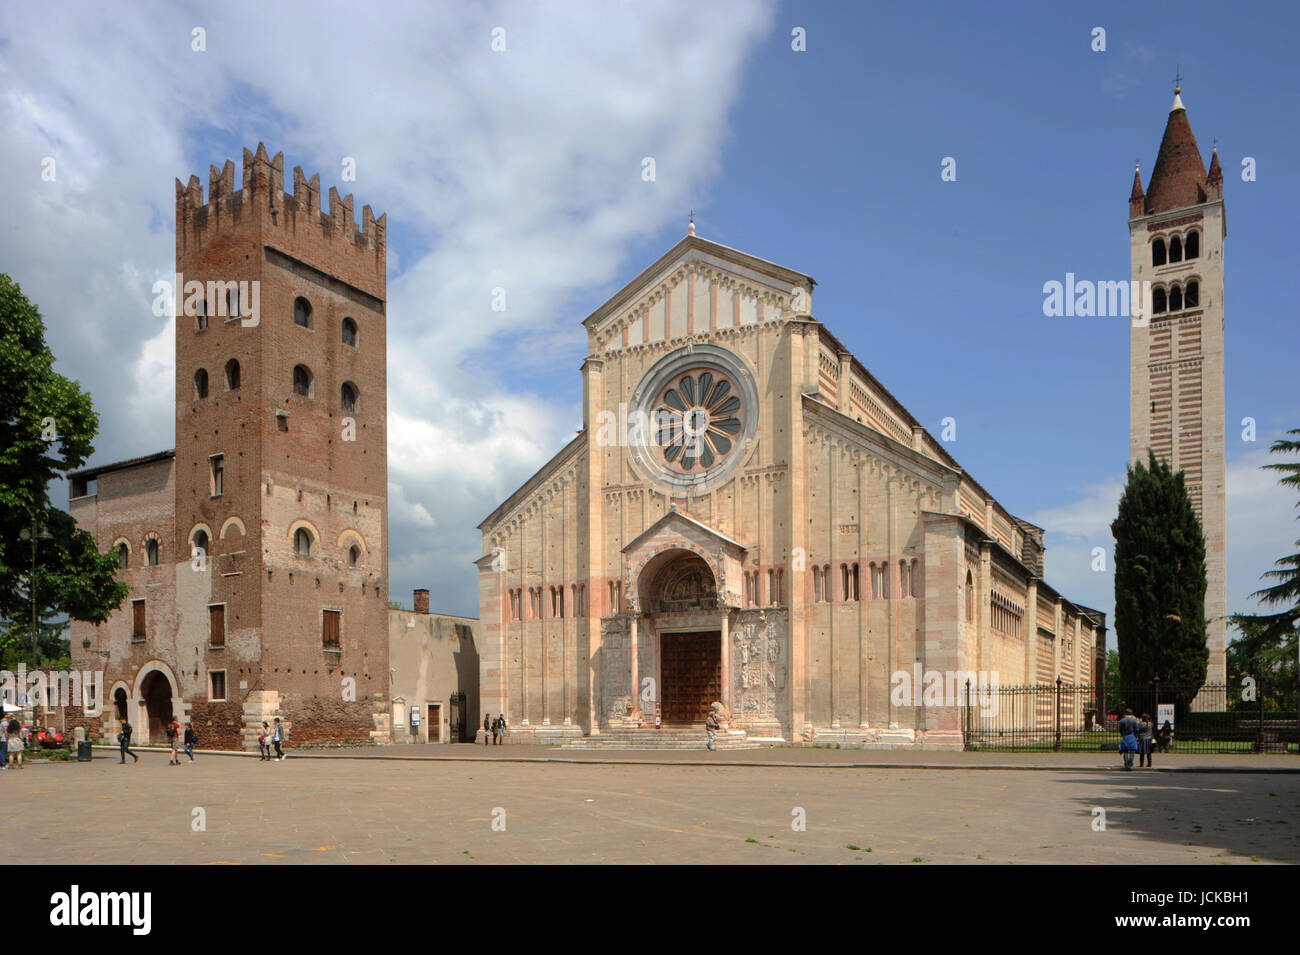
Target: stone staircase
[(667, 738)]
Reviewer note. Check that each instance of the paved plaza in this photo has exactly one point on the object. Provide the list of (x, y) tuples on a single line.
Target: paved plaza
[(908, 808)]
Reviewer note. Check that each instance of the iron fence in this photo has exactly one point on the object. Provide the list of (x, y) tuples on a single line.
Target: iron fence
[(1214, 718)]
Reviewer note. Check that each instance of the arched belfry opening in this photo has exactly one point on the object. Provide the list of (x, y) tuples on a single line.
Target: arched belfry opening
[(679, 594)]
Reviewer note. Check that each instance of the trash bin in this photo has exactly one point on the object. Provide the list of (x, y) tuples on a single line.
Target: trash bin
[(83, 750)]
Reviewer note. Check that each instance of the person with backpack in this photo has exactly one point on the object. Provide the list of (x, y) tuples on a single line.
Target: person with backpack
[(124, 741), (15, 741), (711, 726), (264, 743), (277, 737), (1128, 743), (191, 738), (1146, 737), (174, 737)]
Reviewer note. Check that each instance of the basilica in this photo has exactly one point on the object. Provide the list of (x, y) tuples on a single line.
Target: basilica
[(750, 519)]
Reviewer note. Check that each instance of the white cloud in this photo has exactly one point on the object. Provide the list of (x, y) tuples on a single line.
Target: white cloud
[(520, 170)]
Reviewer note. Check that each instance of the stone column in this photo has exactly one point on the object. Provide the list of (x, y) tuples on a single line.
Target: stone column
[(632, 660), (726, 657), (1031, 633)]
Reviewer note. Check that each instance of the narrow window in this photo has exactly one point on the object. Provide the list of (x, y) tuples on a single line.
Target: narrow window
[(302, 542), (970, 598), (1192, 247), (1158, 252), (302, 380), (331, 629), (123, 557), (354, 555), (217, 466), (817, 585), (1192, 295), (201, 315), (232, 375), (1175, 249), (1175, 299), (217, 681), (348, 397), (201, 383), (884, 580), (302, 312), (853, 576), (232, 302), (216, 625), (349, 332), (1159, 301), (137, 620), (151, 553), (911, 578), (199, 546)]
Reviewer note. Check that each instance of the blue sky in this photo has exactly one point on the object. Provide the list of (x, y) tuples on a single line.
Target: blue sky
[(522, 170)]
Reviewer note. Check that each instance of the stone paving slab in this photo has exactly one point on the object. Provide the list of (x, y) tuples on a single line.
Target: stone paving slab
[(333, 811)]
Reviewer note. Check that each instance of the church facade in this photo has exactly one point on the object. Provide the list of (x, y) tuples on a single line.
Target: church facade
[(749, 517)]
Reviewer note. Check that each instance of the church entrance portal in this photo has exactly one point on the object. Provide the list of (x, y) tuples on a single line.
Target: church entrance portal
[(691, 666), (157, 693)]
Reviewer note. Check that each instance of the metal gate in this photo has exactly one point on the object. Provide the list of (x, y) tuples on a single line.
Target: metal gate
[(456, 716)]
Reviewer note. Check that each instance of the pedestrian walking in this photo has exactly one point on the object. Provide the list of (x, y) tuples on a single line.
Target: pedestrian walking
[(487, 729), (4, 745), (264, 742), (501, 722), (124, 741), (1128, 744), (496, 732), (174, 737), (277, 737), (15, 743), (1146, 737), (191, 738), (711, 725)]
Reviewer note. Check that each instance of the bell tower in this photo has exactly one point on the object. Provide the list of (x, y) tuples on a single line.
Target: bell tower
[(1177, 228)]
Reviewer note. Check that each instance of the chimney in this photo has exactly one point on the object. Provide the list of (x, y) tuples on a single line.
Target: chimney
[(422, 601)]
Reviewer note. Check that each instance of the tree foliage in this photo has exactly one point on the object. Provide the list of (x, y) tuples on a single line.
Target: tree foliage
[(1160, 581), (47, 424)]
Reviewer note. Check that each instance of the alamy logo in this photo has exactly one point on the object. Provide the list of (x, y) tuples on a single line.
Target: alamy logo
[(1087, 299), (75, 907), (84, 688), (216, 299), (945, 688)]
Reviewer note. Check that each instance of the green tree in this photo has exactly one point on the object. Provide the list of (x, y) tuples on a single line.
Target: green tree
[(47, 424), (1269, 644), (1159, 582), (1114, 700)]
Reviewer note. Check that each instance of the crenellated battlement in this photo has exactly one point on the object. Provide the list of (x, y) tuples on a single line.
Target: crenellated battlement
[(293, 222)]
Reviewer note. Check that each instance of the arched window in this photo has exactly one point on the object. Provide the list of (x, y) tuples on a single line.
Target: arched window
[(817, 585), (201, 383), (1192, 295), (232, 303), (354, 555), (1159, 301), (200, 543), (348, 397), (1175, 298), (123, 556), (151, 552), (1192, 247), (119, 701), (349, 332), (1158, 252), (302, 380), (1175, 249), (232, 375), (970, 598), (201, 314), (302, 542), (302, 312), (844, 581)]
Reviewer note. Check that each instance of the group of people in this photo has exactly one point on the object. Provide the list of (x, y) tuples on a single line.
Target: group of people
[(11, 745), (494, 730), (271, 737), (189, 739), (1140, 736)]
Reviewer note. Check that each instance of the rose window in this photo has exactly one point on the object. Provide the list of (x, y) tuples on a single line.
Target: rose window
[(697, 420)]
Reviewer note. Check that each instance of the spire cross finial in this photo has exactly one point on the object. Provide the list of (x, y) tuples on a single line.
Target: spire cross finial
[(1178, 78)]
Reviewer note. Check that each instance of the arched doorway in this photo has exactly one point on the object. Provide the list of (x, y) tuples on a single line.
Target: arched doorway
[(156, 692), (681, 596), (119, 703)]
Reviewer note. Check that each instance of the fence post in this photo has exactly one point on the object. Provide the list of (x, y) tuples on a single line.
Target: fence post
[(1057, 747), (966, 741)]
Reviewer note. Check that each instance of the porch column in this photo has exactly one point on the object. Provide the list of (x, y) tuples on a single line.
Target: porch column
[(726, 658), (632, 663)]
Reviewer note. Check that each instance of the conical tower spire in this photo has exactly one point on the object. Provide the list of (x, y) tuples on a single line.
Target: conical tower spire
[(1178, 178)]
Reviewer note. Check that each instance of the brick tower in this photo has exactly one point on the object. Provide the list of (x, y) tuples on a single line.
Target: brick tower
[(1176, 233), (281, 453)]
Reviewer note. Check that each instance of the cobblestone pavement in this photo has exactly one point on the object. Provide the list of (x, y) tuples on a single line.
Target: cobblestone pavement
[(337, 810)]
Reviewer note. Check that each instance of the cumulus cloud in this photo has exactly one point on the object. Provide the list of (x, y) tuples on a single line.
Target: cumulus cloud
[(517, 170)]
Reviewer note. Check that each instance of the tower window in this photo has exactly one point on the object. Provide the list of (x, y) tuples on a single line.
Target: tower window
[(1175, 298), (232, 303), (232, 375), (200, 544), (348, 397), (123, 556), (302, 381), (151, 552), (302, 542), (201, 315), (1159, 301), (1175, 249), (354, 555), (349, 332), (217, 474), (331, 630), (201, 383), (1192, 295), (1158, 252), (1192, 247), (302, 312), (138, 632)]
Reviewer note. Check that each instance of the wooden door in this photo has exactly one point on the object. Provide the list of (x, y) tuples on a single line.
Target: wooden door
[(433, 724), (691, 671)]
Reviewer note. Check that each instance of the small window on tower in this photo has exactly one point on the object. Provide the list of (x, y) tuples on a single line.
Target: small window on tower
[(302, 542), (201, 315), (123, 556), (354, 555), (151, 552), (302, 381), (349, 332), (1192, 295), (1159, 301), (232, 375), (302, 312), (1175, 249), (1175, 299), (217, 467), (1158, 252), (1192, 247), (201, 383), (199, 546), (232, 303), (348, 397)]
